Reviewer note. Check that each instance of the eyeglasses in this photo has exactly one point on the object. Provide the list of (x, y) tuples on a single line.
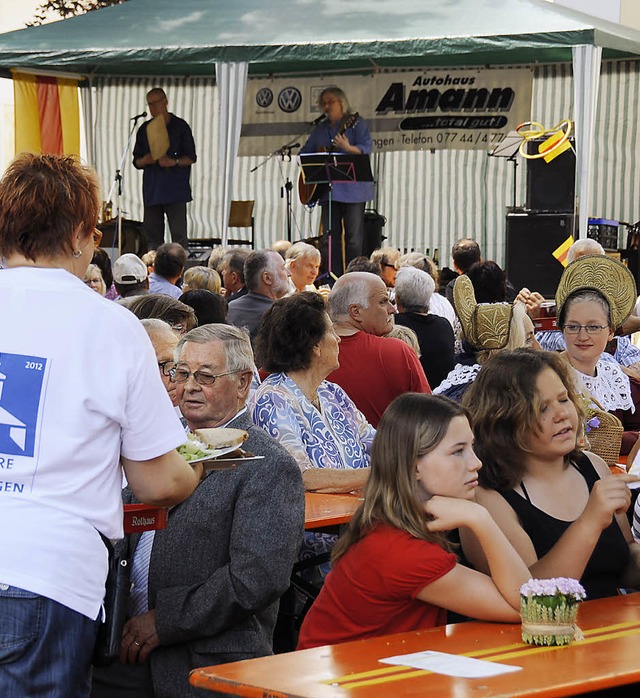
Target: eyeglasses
[(589, 329), (97, 237), (166, 367), (181, 375)]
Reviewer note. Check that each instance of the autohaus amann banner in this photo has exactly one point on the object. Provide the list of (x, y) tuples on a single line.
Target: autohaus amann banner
[(416, 110)]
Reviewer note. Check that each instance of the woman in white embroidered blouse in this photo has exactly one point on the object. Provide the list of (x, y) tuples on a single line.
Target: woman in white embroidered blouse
[(587, 326)]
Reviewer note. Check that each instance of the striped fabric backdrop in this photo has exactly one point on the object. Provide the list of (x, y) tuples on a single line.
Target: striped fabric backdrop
[(429, 199)]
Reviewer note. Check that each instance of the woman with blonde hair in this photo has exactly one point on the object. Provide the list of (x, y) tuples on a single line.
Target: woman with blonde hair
[(201, 277), (394, 569), (93, 279)]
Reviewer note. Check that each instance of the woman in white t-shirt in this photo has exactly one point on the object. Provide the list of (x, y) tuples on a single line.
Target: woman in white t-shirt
[(80, 395)]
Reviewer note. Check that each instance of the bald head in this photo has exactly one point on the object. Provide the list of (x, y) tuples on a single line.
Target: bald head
[(583, 247)]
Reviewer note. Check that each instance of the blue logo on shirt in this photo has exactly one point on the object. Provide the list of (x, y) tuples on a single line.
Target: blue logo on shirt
[(21, 381)]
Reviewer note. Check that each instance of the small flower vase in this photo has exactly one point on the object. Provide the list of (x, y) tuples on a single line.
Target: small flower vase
[(549, 609)]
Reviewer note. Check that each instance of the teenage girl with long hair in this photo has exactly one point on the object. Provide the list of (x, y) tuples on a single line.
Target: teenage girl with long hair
[(394, 569)]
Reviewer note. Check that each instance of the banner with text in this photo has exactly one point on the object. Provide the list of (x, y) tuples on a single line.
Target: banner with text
[(416, 110)]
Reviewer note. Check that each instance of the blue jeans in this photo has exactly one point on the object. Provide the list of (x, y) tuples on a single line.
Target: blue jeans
[(45, 647)]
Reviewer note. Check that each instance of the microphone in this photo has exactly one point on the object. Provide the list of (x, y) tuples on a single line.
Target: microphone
[(318, 119), (138, 116), (293, 145)]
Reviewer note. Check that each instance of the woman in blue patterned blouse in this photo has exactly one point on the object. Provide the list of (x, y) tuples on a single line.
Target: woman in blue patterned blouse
[(313, 419)]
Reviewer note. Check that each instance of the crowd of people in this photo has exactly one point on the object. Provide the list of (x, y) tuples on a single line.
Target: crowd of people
[(466, 493)]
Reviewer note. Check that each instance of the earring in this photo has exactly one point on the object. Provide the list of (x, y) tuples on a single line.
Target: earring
[(77, 253)]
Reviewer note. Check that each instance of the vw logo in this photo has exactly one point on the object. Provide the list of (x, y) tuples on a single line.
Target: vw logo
[(264, 97), (289, 99)]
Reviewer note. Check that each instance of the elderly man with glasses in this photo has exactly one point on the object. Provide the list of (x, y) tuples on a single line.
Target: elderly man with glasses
[(216, 572)]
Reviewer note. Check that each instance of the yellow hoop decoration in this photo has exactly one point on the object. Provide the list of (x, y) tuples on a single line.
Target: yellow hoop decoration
[(530, 130)]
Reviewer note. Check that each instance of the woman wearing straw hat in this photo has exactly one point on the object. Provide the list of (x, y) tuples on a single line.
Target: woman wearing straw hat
[(488, 328), (596, 294)]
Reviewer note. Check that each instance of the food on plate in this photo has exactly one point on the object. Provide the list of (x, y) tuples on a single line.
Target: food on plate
[(208, 443), (221, 437)]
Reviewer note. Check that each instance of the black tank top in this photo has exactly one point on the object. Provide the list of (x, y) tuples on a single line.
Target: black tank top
[(610, 556)]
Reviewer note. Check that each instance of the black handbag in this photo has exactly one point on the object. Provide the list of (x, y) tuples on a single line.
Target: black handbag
[(116, 599)]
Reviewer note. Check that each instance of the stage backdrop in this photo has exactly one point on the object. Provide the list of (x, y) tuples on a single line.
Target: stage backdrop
[(430, 199), (406, 110)]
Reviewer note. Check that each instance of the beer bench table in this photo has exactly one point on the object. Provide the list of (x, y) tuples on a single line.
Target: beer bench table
[(609, 656), (327, 512)]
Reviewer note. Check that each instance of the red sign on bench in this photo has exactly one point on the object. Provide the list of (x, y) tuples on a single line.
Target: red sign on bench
[(142, 517)]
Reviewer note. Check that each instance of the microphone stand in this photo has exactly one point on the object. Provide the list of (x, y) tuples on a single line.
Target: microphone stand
[(117, 184), (285, 152)]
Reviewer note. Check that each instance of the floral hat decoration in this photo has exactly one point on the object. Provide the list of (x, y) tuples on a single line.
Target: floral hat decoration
[(485, 325), (607, 276)]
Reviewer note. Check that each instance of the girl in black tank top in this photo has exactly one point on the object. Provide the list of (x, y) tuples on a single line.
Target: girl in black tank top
[(527, 424), (610, 556)]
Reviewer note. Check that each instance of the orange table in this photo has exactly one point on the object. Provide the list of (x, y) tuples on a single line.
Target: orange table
[(608, 656), (327, 510)]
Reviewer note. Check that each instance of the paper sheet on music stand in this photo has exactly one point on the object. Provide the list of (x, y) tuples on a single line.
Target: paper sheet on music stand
[(508, 147), (158, 137)]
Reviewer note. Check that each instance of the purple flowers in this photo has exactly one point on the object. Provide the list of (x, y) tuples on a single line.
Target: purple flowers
[(548, 609), (557, 586), (592, 423)]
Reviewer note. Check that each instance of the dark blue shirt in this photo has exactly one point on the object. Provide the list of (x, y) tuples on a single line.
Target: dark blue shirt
[(359, 136), (166, 185)]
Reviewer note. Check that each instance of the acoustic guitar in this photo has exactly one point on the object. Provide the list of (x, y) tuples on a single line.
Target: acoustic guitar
[(310, 194)]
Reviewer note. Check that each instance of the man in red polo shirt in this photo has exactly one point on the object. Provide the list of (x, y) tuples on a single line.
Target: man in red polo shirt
[(374, 369)]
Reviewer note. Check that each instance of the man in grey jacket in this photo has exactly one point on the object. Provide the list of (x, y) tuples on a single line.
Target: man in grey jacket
[(216, 572)]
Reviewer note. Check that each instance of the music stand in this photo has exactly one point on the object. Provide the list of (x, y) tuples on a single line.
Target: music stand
[(508, 148), (331, 168)]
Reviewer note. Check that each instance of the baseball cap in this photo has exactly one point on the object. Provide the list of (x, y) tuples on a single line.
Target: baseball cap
[(129, 269)]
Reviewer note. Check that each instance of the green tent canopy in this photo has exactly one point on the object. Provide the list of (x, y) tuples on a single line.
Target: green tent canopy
[(166, 37)]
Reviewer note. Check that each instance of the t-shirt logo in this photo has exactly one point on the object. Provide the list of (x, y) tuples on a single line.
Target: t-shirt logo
[(21, 381)]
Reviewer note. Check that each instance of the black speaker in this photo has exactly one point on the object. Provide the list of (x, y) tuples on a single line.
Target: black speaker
[(531, 241), (372, 237), (551, 186), (197, 256), (133, 238)]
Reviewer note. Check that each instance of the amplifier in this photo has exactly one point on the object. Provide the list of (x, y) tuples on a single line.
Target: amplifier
[(605, 232)]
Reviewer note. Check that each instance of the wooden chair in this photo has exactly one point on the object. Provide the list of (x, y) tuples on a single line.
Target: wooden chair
[(241, 216)]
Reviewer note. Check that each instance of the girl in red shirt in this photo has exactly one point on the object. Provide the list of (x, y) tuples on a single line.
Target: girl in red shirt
[(394, 570)]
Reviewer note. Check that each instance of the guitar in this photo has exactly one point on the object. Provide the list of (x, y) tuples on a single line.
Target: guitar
[(310, 194)]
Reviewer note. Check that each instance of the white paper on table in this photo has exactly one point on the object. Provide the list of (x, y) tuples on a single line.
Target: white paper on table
[(451, 664)]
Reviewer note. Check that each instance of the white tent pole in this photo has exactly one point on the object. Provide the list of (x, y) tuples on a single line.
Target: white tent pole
[(86, 96), (586, 79), (231, 79)]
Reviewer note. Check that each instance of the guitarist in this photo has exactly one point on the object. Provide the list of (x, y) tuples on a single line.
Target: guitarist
[(347, 199)]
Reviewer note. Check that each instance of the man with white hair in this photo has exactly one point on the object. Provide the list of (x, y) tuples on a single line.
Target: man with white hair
[(374, 369), (216, 572), (266, 279), (414, 290)]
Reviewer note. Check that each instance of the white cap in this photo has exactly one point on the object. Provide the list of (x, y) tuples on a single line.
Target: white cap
[(129, 269)]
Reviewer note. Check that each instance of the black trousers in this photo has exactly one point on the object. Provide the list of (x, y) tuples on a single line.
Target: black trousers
[(349, 217), (153, 224)]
